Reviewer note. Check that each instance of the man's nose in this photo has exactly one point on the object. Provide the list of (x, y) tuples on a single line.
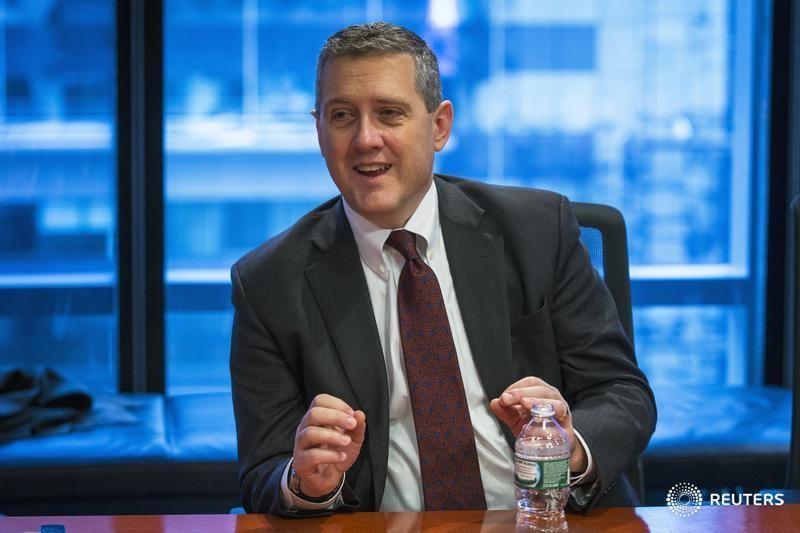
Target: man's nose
[(368, 136)]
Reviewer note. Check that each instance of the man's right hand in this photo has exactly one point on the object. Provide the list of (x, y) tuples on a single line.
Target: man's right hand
[(326, 444)]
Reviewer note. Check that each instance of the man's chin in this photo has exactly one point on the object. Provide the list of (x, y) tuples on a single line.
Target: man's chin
[(385, 215)]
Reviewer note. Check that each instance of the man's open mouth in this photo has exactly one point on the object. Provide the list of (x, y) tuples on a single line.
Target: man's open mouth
[(372, 170)]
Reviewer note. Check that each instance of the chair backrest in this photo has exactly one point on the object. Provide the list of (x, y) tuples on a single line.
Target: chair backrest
[(604, 235), (793, 481)]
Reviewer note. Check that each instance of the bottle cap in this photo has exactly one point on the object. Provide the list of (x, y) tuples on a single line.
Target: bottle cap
[(542, 409)]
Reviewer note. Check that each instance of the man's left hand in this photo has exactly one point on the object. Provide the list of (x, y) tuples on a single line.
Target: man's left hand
[(514, 405)]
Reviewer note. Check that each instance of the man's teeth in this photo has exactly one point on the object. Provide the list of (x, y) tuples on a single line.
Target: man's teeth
[(372, 168)]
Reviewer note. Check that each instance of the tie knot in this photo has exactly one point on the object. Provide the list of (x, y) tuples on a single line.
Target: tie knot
[(404, 242)]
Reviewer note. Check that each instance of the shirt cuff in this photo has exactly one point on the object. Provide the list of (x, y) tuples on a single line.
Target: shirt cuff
[(581, 487), (590, 473), (292, 501)]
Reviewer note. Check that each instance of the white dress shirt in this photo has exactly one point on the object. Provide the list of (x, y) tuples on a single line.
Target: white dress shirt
[(382, 266)]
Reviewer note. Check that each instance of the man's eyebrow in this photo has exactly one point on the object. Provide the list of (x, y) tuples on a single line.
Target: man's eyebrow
[(395, 101), (400, 102), (336, 101)]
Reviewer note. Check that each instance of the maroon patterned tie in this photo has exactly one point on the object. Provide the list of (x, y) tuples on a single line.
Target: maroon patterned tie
[(451, 477)]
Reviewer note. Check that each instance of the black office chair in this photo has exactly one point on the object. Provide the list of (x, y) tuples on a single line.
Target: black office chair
[(604, 236), (793, 481)]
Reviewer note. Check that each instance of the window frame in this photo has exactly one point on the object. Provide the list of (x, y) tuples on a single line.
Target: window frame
[(761, 284)]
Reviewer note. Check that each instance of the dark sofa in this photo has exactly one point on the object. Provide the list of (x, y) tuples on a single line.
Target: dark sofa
[(179, 454)]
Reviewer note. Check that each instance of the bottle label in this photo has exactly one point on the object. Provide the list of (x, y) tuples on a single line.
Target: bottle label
[(541, 474)]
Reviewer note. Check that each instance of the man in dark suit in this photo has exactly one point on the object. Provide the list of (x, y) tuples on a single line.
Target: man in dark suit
[(320, 389)]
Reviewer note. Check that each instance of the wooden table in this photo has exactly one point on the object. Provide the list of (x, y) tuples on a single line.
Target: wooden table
[(727, 519)]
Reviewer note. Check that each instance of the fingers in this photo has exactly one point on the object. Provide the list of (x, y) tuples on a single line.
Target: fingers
[(309, 460), (328, 428), (332, 402), (316, 436), (529, 387), (358, 432), (329, 411), (327, 434), (327, 417), (566, 414), (499, 408), (509, 415), (530, 390), (513, 406)]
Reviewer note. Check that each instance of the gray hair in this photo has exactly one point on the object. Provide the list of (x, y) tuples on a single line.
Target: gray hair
[(380, 38)]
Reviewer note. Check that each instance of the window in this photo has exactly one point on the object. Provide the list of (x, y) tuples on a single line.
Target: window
[(648, 107), (644, 106), (57, 196)]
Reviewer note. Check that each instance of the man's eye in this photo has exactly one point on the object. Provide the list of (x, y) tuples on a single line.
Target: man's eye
[(340, 116), (392, 115)]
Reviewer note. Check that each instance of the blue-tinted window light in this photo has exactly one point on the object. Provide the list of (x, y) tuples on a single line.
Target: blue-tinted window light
[(642, 105), (57, 196)]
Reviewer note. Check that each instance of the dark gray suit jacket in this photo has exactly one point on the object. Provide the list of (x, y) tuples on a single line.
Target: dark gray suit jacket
[(531, 303)]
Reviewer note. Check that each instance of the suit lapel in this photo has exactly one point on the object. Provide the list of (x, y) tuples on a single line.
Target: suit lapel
[(337, 281), (477, 266)]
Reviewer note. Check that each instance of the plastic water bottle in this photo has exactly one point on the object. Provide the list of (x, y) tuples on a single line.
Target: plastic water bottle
[(541, 472)]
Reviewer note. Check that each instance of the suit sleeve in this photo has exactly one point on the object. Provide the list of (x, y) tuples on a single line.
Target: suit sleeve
[(611, 401), (267, 404), (269, 399)]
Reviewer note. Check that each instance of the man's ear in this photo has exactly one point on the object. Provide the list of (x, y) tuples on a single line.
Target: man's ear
[(320, 139), (442, 124)]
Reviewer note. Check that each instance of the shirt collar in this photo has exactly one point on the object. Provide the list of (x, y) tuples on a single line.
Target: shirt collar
[(370, 237)]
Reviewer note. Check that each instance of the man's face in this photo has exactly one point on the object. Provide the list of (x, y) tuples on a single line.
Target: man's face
[(376, 136)]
